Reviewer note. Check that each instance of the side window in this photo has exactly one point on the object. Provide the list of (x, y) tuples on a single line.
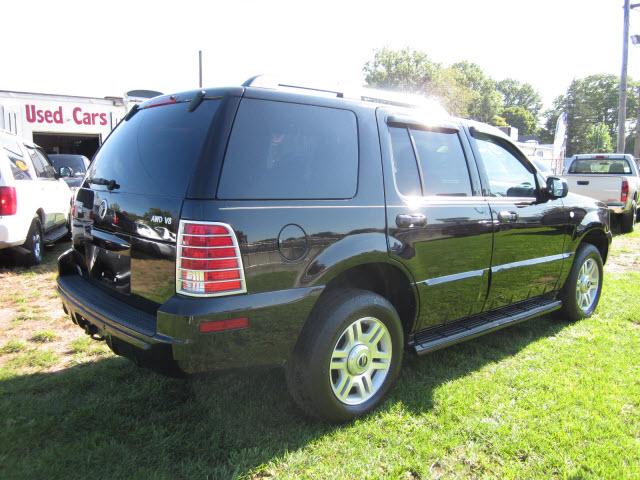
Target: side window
[(283, 150), (508, 177), (19, 167), (405, 168), (40, 164), (442, 162)]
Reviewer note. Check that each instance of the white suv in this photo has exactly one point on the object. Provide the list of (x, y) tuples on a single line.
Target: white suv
[(34, 204)]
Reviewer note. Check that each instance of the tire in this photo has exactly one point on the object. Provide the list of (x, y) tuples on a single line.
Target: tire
[(574, 305), (329, 361), (628, 220), (34, 243)]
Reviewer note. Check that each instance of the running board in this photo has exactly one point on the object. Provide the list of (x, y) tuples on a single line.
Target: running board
[(55, 234), (435, 338)]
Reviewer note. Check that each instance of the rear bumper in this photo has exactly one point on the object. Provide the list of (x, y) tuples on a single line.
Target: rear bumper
[(171, 337), (12, 233)]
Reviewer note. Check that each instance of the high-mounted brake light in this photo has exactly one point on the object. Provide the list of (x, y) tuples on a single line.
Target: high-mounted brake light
[(624, 192), (160, 101), (208, 262), (8, 201)]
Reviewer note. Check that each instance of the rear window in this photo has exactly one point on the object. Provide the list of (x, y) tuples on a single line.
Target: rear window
[(593, 165), (289, 151), (155, 151)]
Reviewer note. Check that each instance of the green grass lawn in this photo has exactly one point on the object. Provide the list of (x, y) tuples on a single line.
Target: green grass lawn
[(544, 399)]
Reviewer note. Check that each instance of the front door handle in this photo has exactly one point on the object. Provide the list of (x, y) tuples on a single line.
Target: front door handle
[(507, 217), (405, 220)]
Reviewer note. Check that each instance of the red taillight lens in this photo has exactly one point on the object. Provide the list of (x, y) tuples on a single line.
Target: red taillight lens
[(208, 261), (624, 193), (8, 201), (207, 241)]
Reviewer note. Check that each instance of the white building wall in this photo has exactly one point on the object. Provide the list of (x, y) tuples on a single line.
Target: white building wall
[(26, 113)]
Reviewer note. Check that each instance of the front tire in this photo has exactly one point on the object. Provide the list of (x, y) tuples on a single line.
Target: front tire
[(581, 292), (348, 356), (34, 243)]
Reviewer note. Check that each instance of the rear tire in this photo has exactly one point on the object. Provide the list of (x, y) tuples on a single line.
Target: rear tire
[(34, 243), (348, 356), (581, 292), (628, 220)]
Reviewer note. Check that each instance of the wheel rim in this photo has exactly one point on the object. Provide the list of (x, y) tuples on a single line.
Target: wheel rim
[(588, 283), (360, 361), (35, 240)]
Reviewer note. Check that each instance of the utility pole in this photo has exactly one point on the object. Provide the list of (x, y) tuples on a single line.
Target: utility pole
[(200, 65), (622, 98), (636, 147)]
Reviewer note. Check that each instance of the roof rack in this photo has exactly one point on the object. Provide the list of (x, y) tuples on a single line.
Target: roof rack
[(384, 97)]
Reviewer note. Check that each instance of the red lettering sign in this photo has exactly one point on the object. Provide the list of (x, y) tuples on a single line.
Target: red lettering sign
[(40, 115)]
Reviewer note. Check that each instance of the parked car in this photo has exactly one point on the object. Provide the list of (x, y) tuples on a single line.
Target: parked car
[(610, 178), (34, 204), (70, 167), (326, 234)]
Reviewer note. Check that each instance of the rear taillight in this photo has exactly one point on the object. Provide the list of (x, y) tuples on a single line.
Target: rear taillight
[(208, 260), (8, 201), (624, 192)]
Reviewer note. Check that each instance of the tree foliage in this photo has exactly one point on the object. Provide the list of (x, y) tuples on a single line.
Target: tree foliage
[(521, 118), (590, 101), (598, 139), (517, 94), (463, 88)]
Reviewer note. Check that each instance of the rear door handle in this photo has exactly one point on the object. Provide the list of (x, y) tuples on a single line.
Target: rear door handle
[(405, 220), (507, 217), (583, 182)]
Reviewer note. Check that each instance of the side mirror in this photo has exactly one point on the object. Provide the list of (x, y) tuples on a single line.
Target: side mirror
[(65, 172), (557, 188)]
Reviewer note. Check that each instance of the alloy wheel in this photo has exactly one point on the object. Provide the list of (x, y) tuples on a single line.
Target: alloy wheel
[(360, 361), (588, 284)]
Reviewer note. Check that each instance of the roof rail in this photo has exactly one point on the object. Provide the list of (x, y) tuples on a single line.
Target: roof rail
[(384, 97)]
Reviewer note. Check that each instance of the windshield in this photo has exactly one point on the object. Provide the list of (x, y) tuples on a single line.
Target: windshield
[(75, 162), (618, 166)]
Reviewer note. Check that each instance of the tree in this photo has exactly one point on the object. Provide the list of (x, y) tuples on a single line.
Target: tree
[(407, 69), (463, 88), (517, 94), (485, 102), (521, 118), (598, 139), (589, 101)]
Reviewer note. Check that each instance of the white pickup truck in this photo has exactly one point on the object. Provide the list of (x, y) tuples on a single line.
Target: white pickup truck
[(34, 202), (610, 178)]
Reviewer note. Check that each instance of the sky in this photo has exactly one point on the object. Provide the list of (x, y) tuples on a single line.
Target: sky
[(107, 48)]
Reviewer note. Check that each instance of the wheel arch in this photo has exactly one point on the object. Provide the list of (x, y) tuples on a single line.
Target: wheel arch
[(597, 237), (382, 276)]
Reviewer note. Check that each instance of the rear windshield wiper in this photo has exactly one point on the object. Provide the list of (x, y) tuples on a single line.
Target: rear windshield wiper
[(110, 184)]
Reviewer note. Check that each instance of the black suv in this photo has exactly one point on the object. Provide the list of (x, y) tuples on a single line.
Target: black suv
[(253, 226)]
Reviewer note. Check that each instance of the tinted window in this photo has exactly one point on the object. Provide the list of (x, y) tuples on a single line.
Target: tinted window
[(283, 150), (443, 164), (508, 177), (405, 168), (155, 151), (612, 166), (40, 164)]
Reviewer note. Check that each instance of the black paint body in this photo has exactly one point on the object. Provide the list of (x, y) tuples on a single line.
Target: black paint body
[(462, 262)]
